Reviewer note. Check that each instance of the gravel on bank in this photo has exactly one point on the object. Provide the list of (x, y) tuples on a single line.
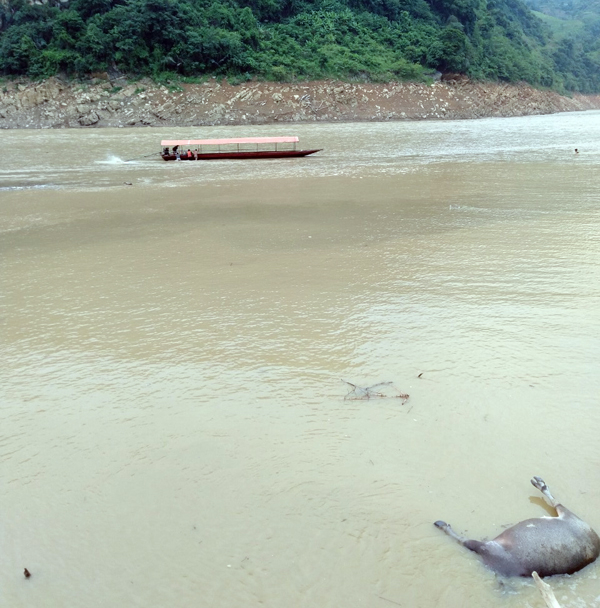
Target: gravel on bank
[(101, 103)]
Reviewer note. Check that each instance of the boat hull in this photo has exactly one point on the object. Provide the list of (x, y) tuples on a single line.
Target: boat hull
[(243, 155)]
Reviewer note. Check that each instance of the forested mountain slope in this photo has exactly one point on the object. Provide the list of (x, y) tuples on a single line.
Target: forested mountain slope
[(575, 43), (567, 9), (365, 40)]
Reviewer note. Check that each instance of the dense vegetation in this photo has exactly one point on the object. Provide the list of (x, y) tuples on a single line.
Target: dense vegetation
[(291, 39), (575, 25), (567, 9)]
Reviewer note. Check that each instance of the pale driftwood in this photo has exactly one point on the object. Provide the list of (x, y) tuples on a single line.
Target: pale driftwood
[(546, 591)]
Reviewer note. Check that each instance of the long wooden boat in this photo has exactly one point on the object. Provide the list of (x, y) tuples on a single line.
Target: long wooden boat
[(239, 147)]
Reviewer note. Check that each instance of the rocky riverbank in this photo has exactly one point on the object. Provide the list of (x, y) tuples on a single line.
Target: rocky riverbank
[(102, 103)]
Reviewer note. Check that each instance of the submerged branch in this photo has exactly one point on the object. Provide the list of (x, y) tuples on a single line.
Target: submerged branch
[(546, 592), (385, 390)]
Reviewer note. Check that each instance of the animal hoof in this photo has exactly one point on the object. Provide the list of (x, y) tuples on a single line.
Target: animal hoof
[(539, 483)]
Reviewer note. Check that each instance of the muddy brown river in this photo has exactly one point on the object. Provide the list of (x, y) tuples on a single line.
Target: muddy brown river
[(174, 427)]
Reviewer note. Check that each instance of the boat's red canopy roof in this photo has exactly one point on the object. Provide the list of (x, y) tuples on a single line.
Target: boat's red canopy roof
[(236, 140)]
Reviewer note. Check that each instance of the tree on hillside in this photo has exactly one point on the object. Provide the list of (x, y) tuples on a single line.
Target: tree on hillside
[(293, 39)]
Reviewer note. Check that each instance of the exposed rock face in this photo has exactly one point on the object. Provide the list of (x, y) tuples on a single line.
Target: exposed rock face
[(54, 104), (88, 119)]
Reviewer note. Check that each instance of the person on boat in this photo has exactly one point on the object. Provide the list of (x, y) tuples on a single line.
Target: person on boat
[(166, 151), (196, 154), (175, 149), (177, 157), (189, 154)]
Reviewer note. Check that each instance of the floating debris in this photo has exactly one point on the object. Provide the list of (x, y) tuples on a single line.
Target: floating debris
[(382, 390), (387, 600), (26, 573)]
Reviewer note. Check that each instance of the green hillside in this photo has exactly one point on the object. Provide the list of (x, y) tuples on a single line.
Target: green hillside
[(575, 28), (560, 27), (567, 9), (367, 40)]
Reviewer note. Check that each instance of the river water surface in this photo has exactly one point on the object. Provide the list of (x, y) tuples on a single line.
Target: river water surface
[(174, 431)]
